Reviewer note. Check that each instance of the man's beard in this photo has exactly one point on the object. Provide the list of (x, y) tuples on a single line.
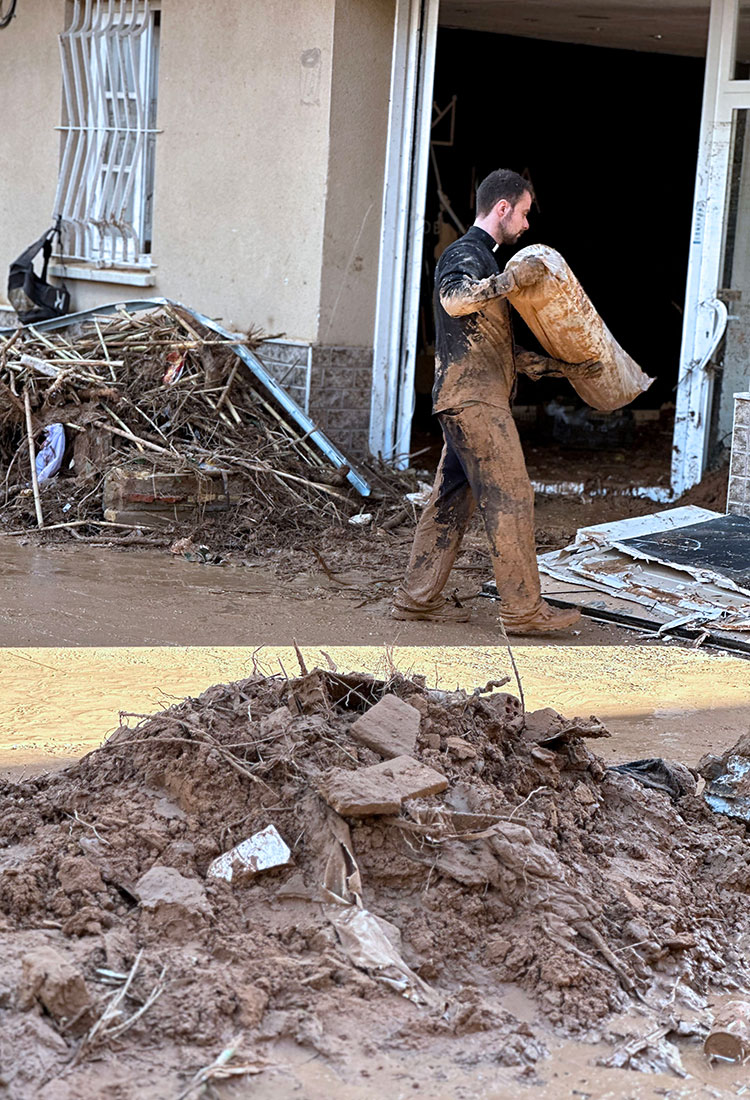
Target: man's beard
[(508, 236)]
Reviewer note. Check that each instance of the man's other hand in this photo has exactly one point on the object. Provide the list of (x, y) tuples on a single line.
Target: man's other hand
[(589, 369), (528, 271)]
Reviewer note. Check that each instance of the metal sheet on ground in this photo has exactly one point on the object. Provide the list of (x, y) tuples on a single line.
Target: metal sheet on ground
[(721, 546)]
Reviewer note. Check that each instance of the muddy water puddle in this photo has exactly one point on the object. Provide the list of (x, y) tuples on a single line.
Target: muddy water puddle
[(570, 1073)]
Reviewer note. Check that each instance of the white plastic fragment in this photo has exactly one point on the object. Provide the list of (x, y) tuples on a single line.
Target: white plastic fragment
[(260, 852), (364, 519), (421, 497)]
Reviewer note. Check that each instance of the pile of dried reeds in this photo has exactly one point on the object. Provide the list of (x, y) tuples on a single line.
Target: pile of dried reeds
[(159, 391)]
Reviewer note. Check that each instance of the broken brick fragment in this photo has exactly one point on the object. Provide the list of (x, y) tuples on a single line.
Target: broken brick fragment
[(390, 728), (381, 788)]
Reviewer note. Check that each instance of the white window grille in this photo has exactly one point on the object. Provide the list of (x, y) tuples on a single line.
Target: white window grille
[(109, 55)]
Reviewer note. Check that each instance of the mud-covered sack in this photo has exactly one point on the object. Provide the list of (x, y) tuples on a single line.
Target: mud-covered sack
[(562, 317)]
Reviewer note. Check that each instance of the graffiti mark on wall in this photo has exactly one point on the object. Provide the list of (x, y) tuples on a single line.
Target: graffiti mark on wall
[(310, 70)]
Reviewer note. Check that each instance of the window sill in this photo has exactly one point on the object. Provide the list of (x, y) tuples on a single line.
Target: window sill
[(104, 274)]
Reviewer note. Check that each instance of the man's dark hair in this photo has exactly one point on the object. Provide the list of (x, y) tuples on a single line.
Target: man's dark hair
[(501, 184)]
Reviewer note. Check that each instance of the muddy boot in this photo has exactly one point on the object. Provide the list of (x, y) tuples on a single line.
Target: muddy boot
[(545, 620), (445, 613)]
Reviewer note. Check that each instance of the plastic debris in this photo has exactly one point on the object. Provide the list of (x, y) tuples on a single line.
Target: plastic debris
[(50, 455), (363, 519), (260, 852), (421, 497), (727, 789)]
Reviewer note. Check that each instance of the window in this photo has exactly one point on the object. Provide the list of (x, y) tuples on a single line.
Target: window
[(109, 54)]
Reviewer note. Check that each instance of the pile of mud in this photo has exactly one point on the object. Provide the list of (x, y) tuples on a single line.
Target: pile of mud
[(398, 921)]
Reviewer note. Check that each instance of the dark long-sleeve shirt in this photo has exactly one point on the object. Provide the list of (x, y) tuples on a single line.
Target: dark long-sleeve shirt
[(476, 360)]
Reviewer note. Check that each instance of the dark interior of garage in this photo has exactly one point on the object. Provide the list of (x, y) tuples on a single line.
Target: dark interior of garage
[(609, 140)]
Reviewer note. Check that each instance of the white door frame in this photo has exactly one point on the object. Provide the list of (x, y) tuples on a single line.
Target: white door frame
[(402, 234), (705, 316), (407, 159)]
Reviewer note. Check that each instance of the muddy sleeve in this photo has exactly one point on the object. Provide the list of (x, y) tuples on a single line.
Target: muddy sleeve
[(462, 292)]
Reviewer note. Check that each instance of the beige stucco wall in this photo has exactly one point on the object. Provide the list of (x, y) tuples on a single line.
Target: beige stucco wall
[(362, 46), (241, 163), (269, 163), (29, 143)]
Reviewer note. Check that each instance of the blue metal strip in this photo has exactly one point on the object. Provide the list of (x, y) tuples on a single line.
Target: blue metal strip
[(314, 434)]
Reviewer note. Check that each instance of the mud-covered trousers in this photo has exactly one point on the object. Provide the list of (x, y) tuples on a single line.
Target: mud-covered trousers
[(482, 465)]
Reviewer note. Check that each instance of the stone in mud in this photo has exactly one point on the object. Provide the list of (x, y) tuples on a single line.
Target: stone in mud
[(76, 874), (252, 1002), (548, 727), (276, 723), (381, 788), (51, 981), (414, 780), (360, 793), (583, 795), (390, 728), (460, 749), (88, 920), (541, 724), (171, 904)]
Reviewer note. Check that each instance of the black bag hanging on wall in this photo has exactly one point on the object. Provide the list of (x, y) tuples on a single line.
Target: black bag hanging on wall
[(32, 297)]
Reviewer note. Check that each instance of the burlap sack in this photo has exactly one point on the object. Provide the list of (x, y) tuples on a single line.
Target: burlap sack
[(560, 314)]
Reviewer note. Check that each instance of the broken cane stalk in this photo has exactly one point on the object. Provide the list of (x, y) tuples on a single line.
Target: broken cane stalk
[(32, 458)]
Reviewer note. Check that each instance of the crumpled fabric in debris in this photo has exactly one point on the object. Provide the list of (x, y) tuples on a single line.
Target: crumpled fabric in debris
[(370, 942), (673, 779), (49, 457)]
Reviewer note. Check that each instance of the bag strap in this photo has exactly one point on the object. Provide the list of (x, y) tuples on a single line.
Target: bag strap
[(46, 252), (47, 245)]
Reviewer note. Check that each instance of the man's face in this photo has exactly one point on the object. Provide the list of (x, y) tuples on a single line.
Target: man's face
[(514, 220)]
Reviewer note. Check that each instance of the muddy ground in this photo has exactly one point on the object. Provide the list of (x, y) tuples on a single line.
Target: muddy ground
[(538, 900), (330, 588)]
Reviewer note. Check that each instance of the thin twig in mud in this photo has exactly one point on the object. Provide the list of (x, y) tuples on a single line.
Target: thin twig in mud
[(514, 666), (300, 659), (105, 349), (89, 825), (110, 1024), (135, 439), (228, 386), (74, 523), (219, 1070), (520, 805), (201, 740)]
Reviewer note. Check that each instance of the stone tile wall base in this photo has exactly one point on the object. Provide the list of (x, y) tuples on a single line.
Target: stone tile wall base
[(738, 496), (332, 384), (340, 391)]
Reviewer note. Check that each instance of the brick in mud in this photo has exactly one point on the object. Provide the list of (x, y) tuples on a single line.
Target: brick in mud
[(381, 788), (361, 794), (390, 728)]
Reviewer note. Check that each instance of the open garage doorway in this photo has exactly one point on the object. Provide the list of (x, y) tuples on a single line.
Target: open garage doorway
[(609, 139)]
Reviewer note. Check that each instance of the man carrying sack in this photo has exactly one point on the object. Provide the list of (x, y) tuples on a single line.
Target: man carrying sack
[(482, 464)]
